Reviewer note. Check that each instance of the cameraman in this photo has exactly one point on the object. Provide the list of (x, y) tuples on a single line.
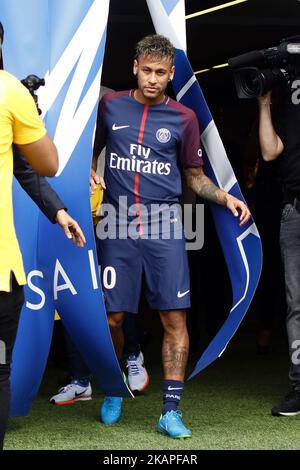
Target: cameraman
[(20, 124), (280, 138)]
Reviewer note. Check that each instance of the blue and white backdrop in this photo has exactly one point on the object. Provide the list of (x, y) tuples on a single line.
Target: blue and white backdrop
[(64, 42), (241, 245)]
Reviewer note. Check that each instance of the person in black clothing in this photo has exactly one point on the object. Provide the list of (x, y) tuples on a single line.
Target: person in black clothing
[(53, 208), (280, 138), (264, 195), (40, 191)]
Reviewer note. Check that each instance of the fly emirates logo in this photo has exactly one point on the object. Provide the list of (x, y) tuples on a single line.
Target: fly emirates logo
[(139, 162)]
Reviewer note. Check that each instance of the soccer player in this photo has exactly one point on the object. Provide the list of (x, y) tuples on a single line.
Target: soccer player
[(149, 139)]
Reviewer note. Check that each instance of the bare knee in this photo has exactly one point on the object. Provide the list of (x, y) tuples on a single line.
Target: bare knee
[(115, 320), (174, 321)]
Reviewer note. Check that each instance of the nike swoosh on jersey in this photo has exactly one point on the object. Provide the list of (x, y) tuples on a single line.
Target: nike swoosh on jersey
[(182, 294), (116, 128)]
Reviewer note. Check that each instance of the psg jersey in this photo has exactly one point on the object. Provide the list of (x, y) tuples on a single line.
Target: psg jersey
[(146, 148)]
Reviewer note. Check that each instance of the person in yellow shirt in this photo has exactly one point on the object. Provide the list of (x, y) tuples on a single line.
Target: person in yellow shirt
[(19, 124)]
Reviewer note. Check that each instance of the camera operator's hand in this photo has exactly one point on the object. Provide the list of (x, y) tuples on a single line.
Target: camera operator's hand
[(270, 143), (265, 100)]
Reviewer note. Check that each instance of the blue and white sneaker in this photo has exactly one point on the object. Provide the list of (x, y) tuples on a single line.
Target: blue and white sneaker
[(171, 424), (138, 377), (72, 393)]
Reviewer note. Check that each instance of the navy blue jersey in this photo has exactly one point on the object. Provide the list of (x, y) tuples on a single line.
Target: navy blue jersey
[(146, 147)]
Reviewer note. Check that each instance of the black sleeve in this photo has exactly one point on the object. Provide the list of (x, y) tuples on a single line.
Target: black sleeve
[(37, 187), (101, 132)]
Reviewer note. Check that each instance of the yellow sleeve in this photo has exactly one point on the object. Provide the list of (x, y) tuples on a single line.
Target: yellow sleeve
[(27, 125)]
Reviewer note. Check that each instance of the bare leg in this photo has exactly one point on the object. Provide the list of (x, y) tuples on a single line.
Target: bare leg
[(175, 348)]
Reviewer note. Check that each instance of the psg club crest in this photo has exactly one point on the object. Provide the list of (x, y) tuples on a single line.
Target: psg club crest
[(163, 135)]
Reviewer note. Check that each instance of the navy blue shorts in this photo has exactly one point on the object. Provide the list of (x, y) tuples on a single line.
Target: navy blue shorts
[(158, 266)]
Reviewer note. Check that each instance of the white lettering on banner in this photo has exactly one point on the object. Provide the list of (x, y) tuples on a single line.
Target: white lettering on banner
[(59, 270), (35, 289), (93, 269), (67, 285), (296, 93)]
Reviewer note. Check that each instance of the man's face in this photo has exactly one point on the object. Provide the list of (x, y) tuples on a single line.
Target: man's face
[(153, 75)]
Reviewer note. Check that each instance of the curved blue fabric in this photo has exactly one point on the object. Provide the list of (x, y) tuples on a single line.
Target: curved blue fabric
[(241, 245), (61, 276)]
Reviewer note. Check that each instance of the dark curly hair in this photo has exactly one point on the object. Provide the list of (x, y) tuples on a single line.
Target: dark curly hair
[(155, 45)]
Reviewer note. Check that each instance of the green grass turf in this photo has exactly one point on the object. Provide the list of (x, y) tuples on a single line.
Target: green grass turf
[(227, 407)]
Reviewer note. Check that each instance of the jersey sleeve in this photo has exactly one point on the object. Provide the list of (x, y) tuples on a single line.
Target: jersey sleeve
[(27, 125), (190, 148), (101, 130)]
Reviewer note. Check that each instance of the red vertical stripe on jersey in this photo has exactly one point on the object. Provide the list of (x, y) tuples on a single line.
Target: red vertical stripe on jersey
[(137, 175), (143, 123), (137, 201)]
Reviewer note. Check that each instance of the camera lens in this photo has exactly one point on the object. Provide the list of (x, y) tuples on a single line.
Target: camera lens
[(248, 82), (251, 83)]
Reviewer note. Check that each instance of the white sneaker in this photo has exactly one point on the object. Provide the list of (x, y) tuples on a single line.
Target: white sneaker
[(138, 378), (71, 393)]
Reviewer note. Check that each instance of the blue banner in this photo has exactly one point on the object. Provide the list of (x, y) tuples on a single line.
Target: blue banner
[(62, 41), (241, 245)]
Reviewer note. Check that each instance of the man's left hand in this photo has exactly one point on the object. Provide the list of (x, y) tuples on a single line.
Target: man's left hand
[(238, 208), (71, 228)]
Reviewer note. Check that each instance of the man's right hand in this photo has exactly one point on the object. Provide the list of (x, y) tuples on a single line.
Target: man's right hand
[(94, 181)]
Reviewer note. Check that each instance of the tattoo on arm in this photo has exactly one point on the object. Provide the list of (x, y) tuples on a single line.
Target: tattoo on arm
[(204, 187)]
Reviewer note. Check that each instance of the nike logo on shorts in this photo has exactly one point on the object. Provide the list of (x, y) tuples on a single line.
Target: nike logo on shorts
[(173, 388), (116, 128), (182, 294)]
